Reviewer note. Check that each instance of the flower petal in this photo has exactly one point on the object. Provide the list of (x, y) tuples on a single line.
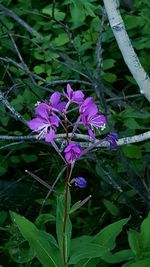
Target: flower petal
[(98, 121), (50, 136), (69, 91), (80, 182), (68, 157), (91, 133), (36, 124), (72, 152), (61, 106), (112, 138), (42, 110), (54, 99), (86, 103), (54, 120), (78, 97)]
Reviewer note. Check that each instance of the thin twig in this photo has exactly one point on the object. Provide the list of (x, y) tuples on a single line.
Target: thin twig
[(39, 78), (15, 113), (52, 188), (45, 184), (99, 44), (122, 98), (21, 59), (10, 13), (87, 139)]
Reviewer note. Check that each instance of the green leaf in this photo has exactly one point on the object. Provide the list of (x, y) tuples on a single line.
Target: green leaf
[(132, 151), (132, 113), (57, 14), (132, 124), (82, 240), (145, 233), (17, 103), (130, 79), (21, 254), (75, 206), (132, 21), (142, 263), (123, 255), (3, 217), (43, 219), (77, 13), (89, 263), (61, 39), (107, 236), (111, 207), (108, 63), (29, 158), (39, 69), (47, 253), (15, 159), (110, 77), (88, 251), (134, 241)]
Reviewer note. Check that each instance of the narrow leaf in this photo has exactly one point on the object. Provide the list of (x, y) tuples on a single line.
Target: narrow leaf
[(47, 253)]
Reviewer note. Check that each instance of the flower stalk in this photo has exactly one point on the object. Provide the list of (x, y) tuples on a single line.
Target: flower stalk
[(64, 250)]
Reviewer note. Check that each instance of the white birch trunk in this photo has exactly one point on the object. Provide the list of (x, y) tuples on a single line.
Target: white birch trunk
[(125, 46)]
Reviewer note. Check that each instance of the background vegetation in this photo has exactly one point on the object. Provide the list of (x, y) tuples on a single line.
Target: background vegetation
[(71, 41)]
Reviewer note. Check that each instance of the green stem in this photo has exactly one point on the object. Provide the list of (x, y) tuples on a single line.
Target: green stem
[(65, 218)]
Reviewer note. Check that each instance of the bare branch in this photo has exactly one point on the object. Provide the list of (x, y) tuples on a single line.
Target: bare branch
[(125, 97), (10, 13), (99, 43), (84, 140), (125, 46), (15, 113), (21, 59), (39, 78)]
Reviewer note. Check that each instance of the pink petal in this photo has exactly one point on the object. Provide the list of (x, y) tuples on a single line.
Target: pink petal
[(91, 110), (36, 124), (54, 120), (91, 134), (61, 106), (68, 157), (98, 121), (50, 136), (88, 101), (54, 99), (69, 91), (78, 97), (42, 110)]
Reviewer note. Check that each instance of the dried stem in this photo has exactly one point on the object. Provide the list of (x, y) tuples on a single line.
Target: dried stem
[(86, 138)]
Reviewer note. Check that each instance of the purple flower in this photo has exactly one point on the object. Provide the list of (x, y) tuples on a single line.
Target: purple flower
[(72, 152), (54, 105), (112, 138), (90, 116), (42, 109), (88, 104), (55, 102), (75, 97), (80, 182), (44, 123)]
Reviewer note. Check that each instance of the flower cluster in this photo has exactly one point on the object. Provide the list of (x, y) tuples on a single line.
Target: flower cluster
[(49, 115)]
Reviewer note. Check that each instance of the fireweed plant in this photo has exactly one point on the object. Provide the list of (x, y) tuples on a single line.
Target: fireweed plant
[(49, 117)]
